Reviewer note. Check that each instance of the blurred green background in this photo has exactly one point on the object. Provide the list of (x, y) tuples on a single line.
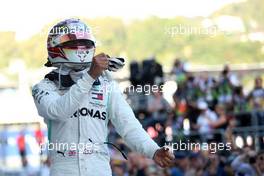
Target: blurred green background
[(138, 39)]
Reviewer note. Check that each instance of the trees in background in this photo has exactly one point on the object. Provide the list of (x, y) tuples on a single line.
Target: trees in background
[(139, 39)]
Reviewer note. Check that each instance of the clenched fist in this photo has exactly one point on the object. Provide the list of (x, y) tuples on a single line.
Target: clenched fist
[(99, 64), (163, 157)]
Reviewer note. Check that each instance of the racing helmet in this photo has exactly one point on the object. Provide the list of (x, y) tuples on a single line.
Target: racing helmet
[(70, 42)]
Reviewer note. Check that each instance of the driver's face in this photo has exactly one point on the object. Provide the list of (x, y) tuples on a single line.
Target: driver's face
[(78, 44)]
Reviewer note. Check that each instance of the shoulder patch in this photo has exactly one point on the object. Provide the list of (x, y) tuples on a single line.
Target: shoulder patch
[(38, 94), (42, 89)]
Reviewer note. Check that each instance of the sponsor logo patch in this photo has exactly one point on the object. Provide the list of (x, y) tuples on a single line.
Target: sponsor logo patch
[(97, 96), (101, 115)]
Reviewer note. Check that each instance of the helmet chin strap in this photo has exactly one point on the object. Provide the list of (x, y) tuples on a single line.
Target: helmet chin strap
[(60, 69)]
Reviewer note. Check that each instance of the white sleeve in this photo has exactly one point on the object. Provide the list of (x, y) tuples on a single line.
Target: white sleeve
[(53, 106), (213, 116), (127, 126)]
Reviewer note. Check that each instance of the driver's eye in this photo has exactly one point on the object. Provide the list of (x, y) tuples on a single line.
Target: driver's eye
[(77, 47), (77, 43)]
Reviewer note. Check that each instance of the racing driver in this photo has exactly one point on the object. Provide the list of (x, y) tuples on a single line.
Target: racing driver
[(77, 100)]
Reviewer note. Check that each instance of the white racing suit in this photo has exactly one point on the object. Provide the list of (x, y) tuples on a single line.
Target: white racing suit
[(80, 116)]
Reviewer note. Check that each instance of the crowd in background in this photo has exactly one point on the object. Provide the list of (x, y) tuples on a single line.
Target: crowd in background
[(203, 105), (209, 104)]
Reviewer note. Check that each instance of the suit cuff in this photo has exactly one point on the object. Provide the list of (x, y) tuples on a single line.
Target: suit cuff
[(152, 150), (86, 82)]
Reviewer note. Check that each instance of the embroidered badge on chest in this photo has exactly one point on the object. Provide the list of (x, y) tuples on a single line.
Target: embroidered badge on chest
[(98, 94)]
